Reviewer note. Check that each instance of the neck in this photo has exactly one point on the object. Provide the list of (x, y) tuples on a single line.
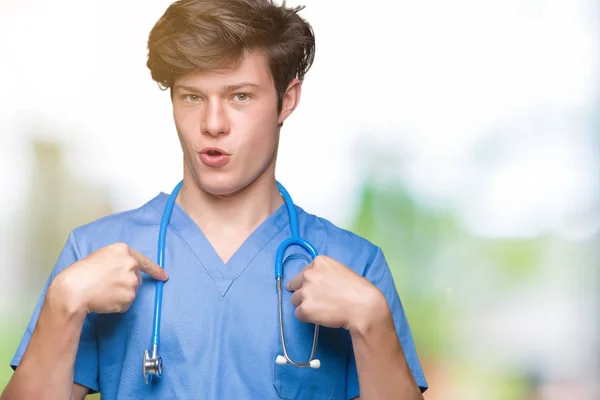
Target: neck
[(240, 212)]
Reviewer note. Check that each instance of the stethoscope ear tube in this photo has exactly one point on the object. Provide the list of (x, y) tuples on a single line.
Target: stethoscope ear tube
[(294, 240), (152, 366), (285, 358), (152, 363)]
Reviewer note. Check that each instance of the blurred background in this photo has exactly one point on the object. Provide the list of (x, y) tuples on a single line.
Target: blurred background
[(462, 137)]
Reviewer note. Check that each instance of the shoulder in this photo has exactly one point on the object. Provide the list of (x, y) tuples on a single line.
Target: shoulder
[(122, 226), (339, 243)]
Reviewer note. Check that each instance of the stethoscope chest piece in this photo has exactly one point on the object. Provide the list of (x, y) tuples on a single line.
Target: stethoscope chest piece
[(151, 366)]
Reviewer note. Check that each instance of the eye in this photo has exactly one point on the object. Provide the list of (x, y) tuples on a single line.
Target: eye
[(192, 98), (242, 97)]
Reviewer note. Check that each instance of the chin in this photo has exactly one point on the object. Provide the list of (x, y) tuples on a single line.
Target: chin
[(221, 186)]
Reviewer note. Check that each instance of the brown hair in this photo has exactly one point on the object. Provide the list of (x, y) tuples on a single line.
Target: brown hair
[(213, 34)]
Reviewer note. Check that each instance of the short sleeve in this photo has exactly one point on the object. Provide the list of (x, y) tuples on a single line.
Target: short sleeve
[(380, 275), (86, 361)]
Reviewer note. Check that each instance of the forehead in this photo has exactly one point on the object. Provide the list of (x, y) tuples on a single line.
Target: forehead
[(252, 68)]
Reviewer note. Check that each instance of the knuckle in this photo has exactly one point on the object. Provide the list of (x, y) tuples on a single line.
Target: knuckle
[(130, 263), (300, 313), (305, 273), (133, 281), (119, 247), (318, 260), (130, 297), (308, 274)]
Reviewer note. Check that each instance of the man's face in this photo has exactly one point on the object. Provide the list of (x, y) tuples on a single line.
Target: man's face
[(228, 124)]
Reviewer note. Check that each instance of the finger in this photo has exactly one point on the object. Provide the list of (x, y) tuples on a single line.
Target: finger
[(296, 282), (297, 298), (148, 266), (300, 313), (139, 277), (118, 308), (123, 308)]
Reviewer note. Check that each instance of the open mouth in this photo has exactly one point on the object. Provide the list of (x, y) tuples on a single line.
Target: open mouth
[(214, 157), (214, 152)]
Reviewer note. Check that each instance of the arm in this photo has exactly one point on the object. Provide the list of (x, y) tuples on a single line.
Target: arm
[(79, 392), (46, 369), (383, 364), (383, 372), (61, 350)]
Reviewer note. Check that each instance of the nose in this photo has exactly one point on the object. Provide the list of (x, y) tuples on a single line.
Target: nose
[(215, 121)]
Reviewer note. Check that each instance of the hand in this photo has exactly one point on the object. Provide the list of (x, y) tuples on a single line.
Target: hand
[(328, 293), (107, 280)]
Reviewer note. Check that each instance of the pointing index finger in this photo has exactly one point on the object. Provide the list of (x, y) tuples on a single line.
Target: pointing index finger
[(148, 266)]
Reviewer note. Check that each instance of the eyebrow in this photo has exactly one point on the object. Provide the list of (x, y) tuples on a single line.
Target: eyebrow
[(237, 86), (225, 88)]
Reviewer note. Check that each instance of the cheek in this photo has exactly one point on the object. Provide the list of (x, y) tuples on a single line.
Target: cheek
[(184, 124), (261, 136), (186, 114)]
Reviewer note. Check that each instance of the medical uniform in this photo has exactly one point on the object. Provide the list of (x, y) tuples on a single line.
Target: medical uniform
[(220, 327)]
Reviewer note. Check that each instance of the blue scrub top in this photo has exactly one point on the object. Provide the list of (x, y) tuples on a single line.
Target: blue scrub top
[(220, 328)]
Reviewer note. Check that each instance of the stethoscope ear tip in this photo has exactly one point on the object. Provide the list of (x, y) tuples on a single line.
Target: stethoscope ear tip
[(314, 364), (280, 360)]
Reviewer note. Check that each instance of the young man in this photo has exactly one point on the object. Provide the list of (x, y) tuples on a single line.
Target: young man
[(234, 68)]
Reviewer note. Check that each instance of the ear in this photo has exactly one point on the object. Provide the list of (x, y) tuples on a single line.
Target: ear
[(290, 100)]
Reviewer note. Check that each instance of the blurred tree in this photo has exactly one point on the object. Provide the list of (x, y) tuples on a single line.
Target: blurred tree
[(413, 240), (447, 277), (58, 203)]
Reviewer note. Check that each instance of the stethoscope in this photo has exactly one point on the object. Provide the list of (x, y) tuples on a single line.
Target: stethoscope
[(153, 366)]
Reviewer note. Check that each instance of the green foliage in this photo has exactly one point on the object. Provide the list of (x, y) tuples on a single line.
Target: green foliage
[(413, 238), (517, 258)]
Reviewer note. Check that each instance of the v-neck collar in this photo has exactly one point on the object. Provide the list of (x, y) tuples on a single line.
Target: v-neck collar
[(223, 274)]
